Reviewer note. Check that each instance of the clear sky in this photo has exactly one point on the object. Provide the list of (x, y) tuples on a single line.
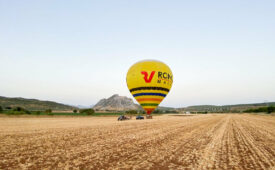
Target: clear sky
[(77, 52)]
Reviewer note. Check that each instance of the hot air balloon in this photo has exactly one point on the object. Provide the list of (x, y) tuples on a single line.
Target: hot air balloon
[(149, 81)]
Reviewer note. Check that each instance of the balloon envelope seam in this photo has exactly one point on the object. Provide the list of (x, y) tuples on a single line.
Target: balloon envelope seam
[(149, 88), (150, 94)]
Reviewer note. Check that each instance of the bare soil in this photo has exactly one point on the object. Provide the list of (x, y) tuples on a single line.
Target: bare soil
[(221, 141)]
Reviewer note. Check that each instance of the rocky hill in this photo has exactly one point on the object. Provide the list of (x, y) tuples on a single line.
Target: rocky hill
[(116, 103), (123, 103), (32, 104)]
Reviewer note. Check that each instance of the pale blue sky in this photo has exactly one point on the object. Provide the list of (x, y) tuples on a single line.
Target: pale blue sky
[(77, 52)]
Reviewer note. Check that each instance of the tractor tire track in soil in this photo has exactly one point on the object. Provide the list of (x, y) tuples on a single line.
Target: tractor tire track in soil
[(214, 141)]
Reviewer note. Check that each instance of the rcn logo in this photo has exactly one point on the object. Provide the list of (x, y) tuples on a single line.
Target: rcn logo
[(162, 77), (148, 80)]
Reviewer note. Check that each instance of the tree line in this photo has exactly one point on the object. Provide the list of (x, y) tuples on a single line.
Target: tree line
[(268, 110), (21, 111)]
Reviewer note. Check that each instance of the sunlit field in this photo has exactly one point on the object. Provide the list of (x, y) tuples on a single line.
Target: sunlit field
[(174, 142)]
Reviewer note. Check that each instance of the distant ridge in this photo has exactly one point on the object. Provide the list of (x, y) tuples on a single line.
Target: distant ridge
[(32, 104), (225, 108), (121, 103)]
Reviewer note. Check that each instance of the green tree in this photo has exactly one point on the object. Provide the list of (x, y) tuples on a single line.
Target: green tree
[(87, 111), (75, 111), (270, 109), (131, 112), (20, 110), (1, 109), (8, 108), (37, 112), (48, 111), (157, 111), (141, 112)]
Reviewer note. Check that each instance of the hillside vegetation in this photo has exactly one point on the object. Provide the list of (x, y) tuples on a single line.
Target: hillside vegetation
[(32, 104), (226, 108)]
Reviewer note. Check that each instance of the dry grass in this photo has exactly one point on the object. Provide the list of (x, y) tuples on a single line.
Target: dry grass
[(165, 142)]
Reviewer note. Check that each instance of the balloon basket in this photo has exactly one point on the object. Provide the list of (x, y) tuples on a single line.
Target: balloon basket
[(149, 117)]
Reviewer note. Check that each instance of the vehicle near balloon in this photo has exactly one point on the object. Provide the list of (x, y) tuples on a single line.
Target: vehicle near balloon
[(139, 117), (149, 81), (122, 117)]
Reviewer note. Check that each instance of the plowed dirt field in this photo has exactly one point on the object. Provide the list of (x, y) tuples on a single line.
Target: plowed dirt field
[(165, 142)]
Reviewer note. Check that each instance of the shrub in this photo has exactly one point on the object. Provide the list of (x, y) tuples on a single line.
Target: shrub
[(19, 111), (27, 112), (48, 111), (8, 108), (141, 112), (87, 111), (157, 111), (132, 112), (170, 111), (50, 114), (75, 111), (270, 109), (11, 112), (37, 112), (1, 109)]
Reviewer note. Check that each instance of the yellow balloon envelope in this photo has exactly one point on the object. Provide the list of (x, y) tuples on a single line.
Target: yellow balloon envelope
[(149, 81)]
